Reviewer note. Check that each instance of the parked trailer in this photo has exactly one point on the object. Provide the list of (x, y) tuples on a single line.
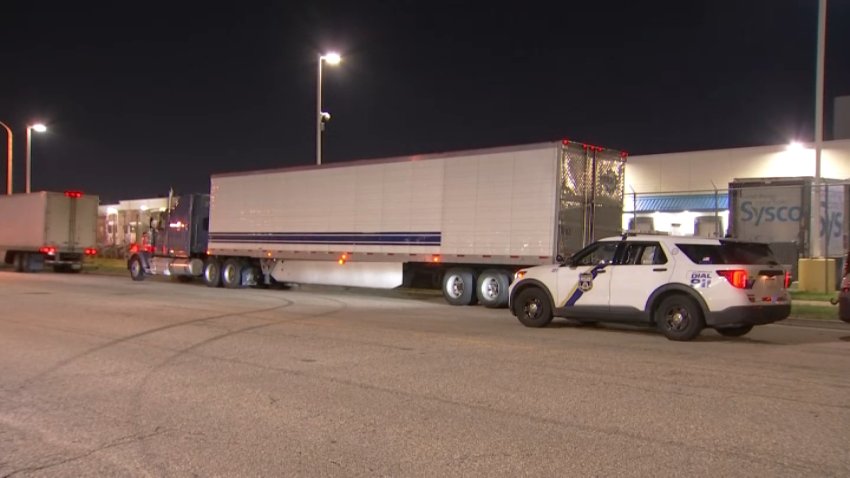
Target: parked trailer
[(464, 221), (47, 229)]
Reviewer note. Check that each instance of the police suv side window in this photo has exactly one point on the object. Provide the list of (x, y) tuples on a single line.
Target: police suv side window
[(643, 254), (602, 252)]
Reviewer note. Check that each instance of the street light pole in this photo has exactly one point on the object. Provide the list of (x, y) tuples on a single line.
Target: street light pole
[(319, 115), (819, 248), (39, 128), (8, 158), (332, 59)]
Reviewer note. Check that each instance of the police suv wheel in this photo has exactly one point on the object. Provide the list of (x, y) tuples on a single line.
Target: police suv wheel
[(678, 317), (532, 307), (735, 331)]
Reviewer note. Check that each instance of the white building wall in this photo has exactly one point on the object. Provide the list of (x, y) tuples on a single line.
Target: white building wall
[(697, 170)]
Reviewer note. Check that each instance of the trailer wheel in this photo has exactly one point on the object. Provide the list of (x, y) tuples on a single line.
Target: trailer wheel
[(212, 273), (231, 273), (137, 270), (493, 288), (459, 287), (26, 262), (18, 261)]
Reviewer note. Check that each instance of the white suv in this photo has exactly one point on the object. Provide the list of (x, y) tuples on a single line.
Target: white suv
[(681, 284)]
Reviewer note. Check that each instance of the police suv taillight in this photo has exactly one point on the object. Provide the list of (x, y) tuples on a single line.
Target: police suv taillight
[(736, 277)]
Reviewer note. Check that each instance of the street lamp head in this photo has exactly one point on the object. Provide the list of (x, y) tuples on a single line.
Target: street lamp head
[(39, 128), (794, 146), (331, 58)]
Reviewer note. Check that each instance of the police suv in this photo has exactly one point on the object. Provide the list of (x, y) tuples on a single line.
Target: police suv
[(681, 284)]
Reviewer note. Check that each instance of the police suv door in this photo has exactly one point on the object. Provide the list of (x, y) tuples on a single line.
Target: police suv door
[(641, 267), (584, 283)]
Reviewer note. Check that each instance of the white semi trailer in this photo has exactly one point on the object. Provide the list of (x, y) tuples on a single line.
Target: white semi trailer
[(47, 229), (464, 221)]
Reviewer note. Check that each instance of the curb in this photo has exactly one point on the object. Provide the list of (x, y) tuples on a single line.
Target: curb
[(832, 324)]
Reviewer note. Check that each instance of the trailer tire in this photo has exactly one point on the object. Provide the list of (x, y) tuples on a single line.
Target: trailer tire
[(459, 286), (26, 262), (492, 288), (18, 261), (231, 273), (212, 272), (137, 270)]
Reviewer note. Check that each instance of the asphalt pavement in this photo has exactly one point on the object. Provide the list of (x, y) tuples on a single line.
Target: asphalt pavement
[(103, 376)]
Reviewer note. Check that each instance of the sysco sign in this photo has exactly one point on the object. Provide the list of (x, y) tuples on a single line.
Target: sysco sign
[(761, 214), (769, 213), (831, 221), (776, 214)]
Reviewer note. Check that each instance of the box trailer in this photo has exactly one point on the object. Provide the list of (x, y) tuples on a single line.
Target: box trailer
[(464, 221), (47, 229)]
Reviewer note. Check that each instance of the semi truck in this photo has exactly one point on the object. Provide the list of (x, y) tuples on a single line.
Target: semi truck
[(48, 229), (462, 221)]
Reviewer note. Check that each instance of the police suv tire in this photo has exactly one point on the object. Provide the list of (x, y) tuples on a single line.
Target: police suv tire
[(492, 289), (231, 273), (532, 307), (212, 273), (137, 270), (459, 286), (679, 318), (735, 331)]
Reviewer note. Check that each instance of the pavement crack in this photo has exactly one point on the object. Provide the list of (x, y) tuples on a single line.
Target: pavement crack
[(125, 440)]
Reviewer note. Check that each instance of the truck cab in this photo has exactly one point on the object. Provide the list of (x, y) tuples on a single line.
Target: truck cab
[(178, 240)]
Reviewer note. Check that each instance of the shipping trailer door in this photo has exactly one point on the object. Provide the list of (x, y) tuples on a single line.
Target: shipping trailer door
[(590, 205)]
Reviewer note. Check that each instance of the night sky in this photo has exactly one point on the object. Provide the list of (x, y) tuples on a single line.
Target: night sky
[(143, 96)]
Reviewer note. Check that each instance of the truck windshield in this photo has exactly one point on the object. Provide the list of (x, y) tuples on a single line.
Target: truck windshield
[(729, 252)]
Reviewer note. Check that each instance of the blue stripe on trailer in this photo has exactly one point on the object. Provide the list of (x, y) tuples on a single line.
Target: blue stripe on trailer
[(346, 238)]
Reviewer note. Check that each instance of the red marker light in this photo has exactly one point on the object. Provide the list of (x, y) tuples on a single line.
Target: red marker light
[(47, 250), (74, 194), (90, 251)]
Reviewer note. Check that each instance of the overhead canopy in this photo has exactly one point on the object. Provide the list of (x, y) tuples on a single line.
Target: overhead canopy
[(677, 203)]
